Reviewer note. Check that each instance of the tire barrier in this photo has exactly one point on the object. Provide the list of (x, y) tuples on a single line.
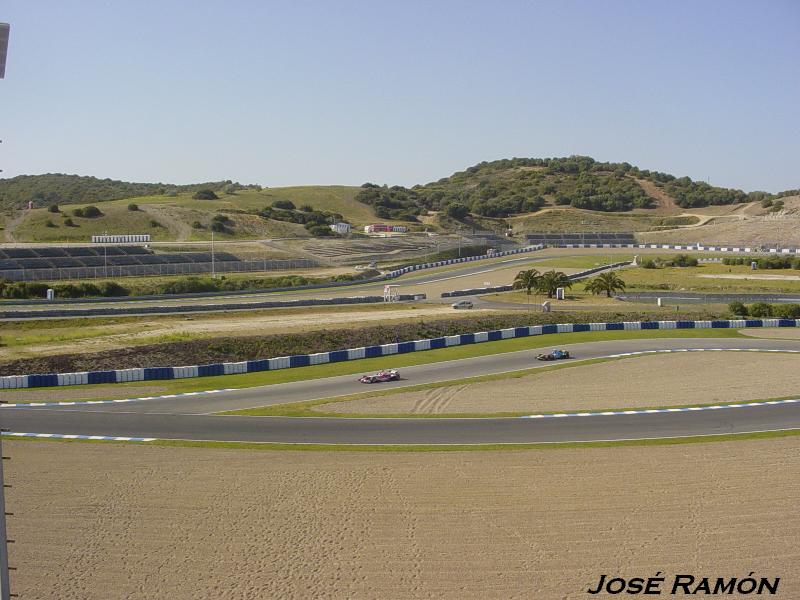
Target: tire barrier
[(191, 308), (508, 288), (305, 360)]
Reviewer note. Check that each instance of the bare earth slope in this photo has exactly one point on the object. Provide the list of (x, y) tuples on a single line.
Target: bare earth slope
[(101, 522)]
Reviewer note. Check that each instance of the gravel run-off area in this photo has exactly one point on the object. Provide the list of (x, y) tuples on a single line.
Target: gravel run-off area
[(106, 522)]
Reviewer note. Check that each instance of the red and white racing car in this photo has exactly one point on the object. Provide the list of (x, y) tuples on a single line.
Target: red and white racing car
[(381, 376)]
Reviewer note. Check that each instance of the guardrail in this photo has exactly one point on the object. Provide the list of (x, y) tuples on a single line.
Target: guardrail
[(304, 360), (508, 288)]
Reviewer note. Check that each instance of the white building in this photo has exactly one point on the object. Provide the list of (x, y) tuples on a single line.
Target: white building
[(341, 228)]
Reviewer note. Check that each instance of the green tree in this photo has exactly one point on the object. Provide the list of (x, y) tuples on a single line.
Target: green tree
[(607, 283), (552, 280), (205, 194), (527, 280), (457, 210), (737, 308), (284, 204), (761, 310)]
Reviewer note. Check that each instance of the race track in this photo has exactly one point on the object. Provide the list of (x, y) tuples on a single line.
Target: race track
[(192, 418)]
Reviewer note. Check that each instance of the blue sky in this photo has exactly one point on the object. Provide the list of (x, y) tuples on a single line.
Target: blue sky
[(282, 93)]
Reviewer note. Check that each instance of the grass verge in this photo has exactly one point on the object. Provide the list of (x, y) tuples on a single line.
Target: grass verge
[(673, 441), (177, 386)]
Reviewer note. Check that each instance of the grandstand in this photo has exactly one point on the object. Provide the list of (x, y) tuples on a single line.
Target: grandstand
[(564, 239), (18, 264)]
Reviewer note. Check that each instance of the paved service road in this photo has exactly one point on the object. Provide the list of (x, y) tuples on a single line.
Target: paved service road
[(191, 418)]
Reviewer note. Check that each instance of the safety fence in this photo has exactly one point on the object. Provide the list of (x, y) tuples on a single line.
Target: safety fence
[(184, 268), (507, 288), (305, 360), (193, 308), (687, 248)]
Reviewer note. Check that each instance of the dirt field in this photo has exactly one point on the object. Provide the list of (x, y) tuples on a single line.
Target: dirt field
[(679, 378), (111, 522)]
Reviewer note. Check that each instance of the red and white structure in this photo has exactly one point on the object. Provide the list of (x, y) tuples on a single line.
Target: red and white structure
[(383, 228)]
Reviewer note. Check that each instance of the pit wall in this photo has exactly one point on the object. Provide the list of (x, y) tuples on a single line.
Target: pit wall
[(304, 360)]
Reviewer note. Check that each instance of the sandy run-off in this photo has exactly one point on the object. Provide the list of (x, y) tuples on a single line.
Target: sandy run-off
[(100, 522), (645, 381)]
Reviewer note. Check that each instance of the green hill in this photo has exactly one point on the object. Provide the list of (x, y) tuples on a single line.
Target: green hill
[(181, 217), (524, 185), (57, 188)]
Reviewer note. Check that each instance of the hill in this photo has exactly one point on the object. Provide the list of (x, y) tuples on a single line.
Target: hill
[(57, 188), (241, 214), (517, 186)]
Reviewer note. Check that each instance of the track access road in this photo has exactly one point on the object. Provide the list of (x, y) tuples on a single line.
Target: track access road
[(193, 418)]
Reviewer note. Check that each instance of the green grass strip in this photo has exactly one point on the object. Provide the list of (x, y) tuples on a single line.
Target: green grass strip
[(266, 446), (365, 365)]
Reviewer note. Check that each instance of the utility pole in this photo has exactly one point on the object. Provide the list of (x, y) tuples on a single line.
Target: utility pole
[(5, 590)]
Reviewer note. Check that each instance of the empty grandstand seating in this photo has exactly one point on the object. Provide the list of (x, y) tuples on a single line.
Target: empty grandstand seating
[(562, 239)]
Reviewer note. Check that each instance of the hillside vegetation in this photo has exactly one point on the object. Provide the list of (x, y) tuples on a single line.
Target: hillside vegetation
[(57, 188), (523, 185)]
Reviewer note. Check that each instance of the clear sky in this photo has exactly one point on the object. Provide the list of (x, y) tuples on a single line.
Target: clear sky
[(301, 92)]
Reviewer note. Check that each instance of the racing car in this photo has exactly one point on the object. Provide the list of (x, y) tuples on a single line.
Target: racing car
[(554, 355), (381, 376)]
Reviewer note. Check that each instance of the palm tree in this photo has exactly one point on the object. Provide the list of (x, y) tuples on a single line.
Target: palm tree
[(606, 282), (552, 280), (527, 280)]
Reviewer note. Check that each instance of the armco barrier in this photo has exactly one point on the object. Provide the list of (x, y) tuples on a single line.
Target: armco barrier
[(508, 288), (301, 360)]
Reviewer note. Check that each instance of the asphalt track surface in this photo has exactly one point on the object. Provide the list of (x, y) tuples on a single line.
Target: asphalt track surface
[(193, 418)]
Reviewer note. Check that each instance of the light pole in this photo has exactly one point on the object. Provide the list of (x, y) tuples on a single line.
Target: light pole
[(5, 591), (105, 254), (213, 270)]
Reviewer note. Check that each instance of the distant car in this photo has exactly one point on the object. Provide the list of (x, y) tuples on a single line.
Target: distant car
[(554, 355), (462, 304), (381, 376)]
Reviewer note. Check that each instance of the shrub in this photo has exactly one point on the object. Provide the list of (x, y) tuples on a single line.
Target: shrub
[(766, 203), (205, 194), (133, 207), (198, 225), (284, 204), (684, 260), (218, 227), (218, 218), (154, 223), (92, 212), (786, 311), (649, 263), (78, 212), (737, 308), (112, 288), (760, 310), (319, 230), (307, 208), (69, 222), (53, 208)]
